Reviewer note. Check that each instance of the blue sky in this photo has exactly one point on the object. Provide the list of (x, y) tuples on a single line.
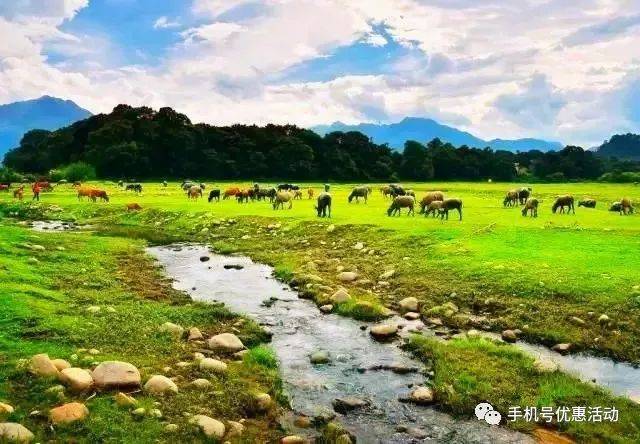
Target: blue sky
[(565, 70)]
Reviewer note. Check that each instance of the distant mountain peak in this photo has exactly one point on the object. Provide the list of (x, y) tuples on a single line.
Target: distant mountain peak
[(423, 130), (46, 112)]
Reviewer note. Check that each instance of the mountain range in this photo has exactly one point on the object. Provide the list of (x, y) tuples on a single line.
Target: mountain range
[(423, 130), (49, 113)]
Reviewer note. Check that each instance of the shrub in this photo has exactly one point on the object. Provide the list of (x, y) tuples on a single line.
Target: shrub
[(9, 175), (78, 171)]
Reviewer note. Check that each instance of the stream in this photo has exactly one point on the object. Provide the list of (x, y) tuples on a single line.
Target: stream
[(299, 329)]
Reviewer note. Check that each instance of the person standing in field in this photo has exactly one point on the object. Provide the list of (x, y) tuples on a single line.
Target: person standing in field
[(36, 191)]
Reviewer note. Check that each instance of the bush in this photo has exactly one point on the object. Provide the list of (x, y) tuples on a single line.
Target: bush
[(78, 171), (9, 175), (621, 177)]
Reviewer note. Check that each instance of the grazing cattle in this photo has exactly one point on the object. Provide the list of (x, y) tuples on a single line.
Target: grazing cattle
[(433, 207), (523, 194), (230, 192), (531, 206), (95, 194), (625, 206), (135, 187), (396, 190), (310, 193), (511, 198), (203, 186), (386, 191), (288, 187), (359, 192), (564, 201), (18, 193), (324, 205), (410, 193), (194, 192), (431, 196), (400, 202), (214, 194), (121, 183), (281, 198), (587, 203), (4, 187), (133, 207), (297, 194), (76, 184), (616, 206), (84, 192), (43, 185), (243, 196), (451, 204)]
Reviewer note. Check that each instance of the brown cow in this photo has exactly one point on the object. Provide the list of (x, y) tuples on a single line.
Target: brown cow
[(133, 207), (402, 202), (564, 201), (531, 206), (451, 204), (433, 207), (625, 206), (281, 198), (194, 192), (98, 194), (511, 198), (18, 193), (230, 192), (431, 196), (310, 193), (84, 192)]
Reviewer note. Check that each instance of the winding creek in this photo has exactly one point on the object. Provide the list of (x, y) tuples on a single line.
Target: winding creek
[(299, 329)]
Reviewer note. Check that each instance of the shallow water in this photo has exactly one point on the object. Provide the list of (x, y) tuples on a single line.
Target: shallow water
[(299, 329)]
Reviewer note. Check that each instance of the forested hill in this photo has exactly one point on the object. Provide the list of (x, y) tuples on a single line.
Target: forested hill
[(142, 143), (622, 146)]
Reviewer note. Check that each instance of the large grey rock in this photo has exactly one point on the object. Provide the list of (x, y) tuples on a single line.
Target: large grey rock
[(212, 365), (12, 432), (225, 343), (212, 428), (384, 331), (345, 405), (116, 374), (421, 395), (409, 304), (160, 385), (347, 276), (77, 379)]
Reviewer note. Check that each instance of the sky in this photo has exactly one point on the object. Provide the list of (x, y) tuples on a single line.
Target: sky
[(566, 70)]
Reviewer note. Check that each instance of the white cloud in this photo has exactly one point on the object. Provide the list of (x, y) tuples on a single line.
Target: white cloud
[(164, 23), (545, 68)]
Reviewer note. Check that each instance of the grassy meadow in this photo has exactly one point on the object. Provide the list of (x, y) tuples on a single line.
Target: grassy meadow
[(499, 269)]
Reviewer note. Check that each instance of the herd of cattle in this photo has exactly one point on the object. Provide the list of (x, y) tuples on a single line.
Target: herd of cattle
[(432, 203)]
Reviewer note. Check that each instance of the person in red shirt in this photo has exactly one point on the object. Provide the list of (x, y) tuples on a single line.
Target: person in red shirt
[(36, 191)]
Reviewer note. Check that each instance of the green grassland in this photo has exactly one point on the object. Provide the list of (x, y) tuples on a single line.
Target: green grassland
[(501, 270)]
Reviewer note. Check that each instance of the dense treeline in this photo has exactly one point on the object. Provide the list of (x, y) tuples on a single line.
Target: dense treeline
[(142, 143)]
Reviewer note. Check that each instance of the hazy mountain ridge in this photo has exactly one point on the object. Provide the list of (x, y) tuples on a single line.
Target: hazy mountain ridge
[(424, 130), (49, 113)]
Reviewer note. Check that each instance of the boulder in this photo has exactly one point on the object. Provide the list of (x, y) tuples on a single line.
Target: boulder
[(293, 439), (60, 364), (345, 405), (328, 308), (262, 402), (12, 432), (347, 276), (212, 428), (358, 246), (561, 348), (160, 385), (412, 316), (383, 331), (509, 336), (71, 412), (5, 409), (124, 400), (421, 395), (212, 365), (41, 365), (340, 296), (195, 334), (408, 304), (173, 329), (603, 319), (77, 379), (201, 383), (320, 357), (116, 374), (225, 343)]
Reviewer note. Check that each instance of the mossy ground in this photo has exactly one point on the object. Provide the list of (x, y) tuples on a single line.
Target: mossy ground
[(43, 309), (502, 270)]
